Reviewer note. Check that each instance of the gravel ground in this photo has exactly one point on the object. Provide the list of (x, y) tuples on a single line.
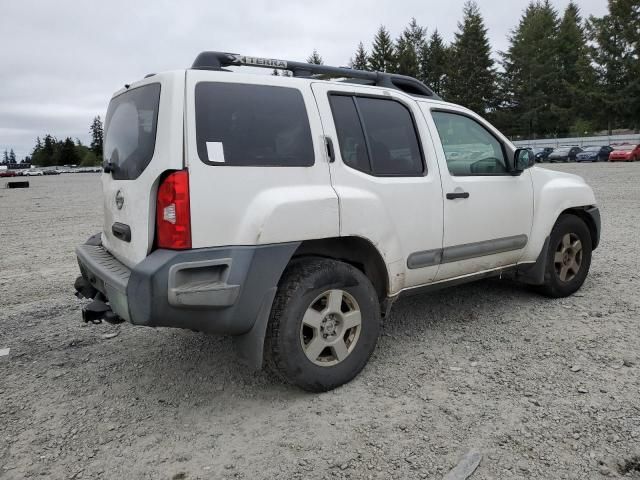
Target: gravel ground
[(543, 388)]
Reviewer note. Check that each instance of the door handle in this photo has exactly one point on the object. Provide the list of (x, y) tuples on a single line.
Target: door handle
[(330, 151), (454, 195)]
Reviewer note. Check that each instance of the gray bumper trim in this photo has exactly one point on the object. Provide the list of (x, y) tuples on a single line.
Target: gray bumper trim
[(215, 290)]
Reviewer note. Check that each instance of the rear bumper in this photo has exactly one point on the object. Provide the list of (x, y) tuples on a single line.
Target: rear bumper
[(216, 290)]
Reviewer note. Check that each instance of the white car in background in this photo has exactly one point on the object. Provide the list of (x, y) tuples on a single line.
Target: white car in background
[(33, 172)]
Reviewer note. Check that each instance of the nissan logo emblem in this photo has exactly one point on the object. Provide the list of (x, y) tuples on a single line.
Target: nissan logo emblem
[(119, 200)]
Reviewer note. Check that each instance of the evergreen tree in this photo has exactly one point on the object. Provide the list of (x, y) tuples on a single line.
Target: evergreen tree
[(382, 56), (5, 157), (315, 58), (68, 154), (471, 76), (12, 156), (360, 61), (434, 63), (408, 48), (577, 76), (96, 136), (617, 39), (532, 74)]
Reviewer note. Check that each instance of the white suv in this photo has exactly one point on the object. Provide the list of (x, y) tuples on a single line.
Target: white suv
[(291, 212)]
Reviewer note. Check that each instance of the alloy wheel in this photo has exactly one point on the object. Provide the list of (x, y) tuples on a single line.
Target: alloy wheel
[(330, 327), (568, 257)]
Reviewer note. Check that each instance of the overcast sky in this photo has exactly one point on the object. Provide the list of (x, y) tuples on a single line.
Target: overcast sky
[(61, 60)]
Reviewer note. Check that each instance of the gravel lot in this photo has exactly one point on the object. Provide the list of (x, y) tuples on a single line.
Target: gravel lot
[(543, 388)]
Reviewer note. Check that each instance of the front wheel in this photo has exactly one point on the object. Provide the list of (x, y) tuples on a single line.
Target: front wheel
[(568, 257), (324, 324)]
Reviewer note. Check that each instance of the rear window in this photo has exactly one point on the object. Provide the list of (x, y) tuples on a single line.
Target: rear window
[(252, 125), (130, 131)]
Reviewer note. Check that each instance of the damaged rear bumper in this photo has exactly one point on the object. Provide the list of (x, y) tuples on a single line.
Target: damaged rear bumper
[(216, 290)]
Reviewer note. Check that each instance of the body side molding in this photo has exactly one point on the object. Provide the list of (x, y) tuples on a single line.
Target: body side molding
[(456, 253)]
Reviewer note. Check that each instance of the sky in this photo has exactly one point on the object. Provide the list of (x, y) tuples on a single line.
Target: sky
[(60, 61)]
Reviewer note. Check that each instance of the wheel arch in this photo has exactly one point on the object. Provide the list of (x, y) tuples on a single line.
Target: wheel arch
[(356, 251), (590, 218)]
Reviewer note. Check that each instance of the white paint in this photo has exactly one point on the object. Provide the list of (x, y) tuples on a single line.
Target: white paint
[(233, 205), (4, 352), (215, 152), (138, 210), (400, 215)]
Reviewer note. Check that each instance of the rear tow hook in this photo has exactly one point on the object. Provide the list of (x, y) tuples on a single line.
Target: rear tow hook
[(97, 311)]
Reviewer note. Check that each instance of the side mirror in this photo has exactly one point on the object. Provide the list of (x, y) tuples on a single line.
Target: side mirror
[(523, 158)]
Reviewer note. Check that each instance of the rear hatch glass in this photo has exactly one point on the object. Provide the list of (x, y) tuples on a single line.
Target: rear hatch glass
[(130, 131)]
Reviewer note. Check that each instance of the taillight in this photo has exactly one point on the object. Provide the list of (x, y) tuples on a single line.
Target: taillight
[(173, 216)]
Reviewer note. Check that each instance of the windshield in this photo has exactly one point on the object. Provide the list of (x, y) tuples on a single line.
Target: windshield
[(625, 148), (591, 149), (562, 150), (130, 131)]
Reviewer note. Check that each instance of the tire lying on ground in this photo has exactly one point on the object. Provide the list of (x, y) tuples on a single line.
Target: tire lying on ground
[(324, 324)]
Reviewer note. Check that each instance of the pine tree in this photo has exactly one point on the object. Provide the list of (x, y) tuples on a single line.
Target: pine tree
[(577, 76), (408, 48), (433, 63), (532, 74), (96, 136), (12, 156), (617, 39), (5, 157), (360, 61), (382, 56), (68, 154), (471, 76), (315, 58)]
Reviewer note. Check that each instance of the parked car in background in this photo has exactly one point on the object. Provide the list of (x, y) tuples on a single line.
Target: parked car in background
[(594, 153), (51, 172), (33, 173), (542, 154), (564, 154), (625, 153), (7, 173)]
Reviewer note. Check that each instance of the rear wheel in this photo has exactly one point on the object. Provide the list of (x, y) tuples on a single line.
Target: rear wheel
[(568, 257), (324, 324)]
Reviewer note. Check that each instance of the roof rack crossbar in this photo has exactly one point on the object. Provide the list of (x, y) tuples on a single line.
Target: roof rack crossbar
[(218, 60)]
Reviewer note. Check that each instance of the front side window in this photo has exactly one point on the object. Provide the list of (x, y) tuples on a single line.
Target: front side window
[(252, 125), (376, 136), (469, 147), (130, 131)]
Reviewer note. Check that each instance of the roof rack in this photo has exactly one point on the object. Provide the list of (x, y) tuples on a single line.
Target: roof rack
[(219, 60)]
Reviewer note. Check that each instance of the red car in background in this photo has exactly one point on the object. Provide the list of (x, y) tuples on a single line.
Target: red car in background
[(625, 153), (7, 173)]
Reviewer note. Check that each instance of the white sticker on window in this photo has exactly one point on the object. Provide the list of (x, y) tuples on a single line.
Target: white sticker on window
[(215, 152)]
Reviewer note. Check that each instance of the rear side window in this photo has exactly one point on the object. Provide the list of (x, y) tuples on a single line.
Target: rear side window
[(377, 136), (252, 125), (130, 131)]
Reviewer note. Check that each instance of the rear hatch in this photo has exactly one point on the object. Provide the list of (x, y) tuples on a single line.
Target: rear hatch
[(142, 140)]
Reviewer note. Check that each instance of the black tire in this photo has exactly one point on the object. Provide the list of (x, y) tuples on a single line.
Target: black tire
[(302, 282), (554, 286)]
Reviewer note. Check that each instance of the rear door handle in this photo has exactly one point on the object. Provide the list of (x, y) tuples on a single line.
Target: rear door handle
[(330, 151), (454, 195)]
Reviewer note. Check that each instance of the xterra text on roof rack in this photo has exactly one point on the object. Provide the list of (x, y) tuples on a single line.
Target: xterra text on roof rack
[(291, 212)]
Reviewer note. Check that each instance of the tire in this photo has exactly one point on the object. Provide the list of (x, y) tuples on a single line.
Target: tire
[(308, 332), (561, 277)]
